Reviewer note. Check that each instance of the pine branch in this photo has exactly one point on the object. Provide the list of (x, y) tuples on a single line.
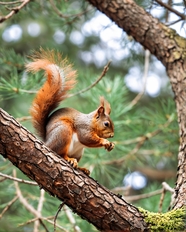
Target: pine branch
[(14, 10)]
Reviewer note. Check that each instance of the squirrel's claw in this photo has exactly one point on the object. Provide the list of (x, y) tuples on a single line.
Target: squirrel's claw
[(86, 171), (109, 145), (72, 161)]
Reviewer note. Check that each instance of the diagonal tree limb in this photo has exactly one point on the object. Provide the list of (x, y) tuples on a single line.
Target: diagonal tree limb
[(104, 209)]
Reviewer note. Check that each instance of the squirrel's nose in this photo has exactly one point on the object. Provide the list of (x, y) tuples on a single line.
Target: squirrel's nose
[(111, 135)]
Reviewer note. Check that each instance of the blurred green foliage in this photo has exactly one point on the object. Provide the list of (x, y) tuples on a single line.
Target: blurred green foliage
[(146, 133)]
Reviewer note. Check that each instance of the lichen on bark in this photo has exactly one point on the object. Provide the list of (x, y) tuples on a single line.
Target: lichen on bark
[(173, 220)]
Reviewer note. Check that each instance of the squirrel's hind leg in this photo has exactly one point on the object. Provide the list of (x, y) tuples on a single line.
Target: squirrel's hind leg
[(86, 171), (58, 139)]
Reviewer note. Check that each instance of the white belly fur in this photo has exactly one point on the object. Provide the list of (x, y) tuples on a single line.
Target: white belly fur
[(76, 148)]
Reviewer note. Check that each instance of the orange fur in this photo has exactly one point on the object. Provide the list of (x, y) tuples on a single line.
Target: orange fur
[(60, 79)]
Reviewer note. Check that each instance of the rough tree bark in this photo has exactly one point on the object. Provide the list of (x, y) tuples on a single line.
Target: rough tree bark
[(170, 49), (86, 197)]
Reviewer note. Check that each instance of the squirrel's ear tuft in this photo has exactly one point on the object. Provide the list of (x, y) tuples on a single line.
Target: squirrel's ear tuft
[(107, 108), (105, 105), (102, 101), (99, 112)]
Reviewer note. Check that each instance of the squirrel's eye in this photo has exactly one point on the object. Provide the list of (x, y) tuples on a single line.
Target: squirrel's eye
[(106, 124)]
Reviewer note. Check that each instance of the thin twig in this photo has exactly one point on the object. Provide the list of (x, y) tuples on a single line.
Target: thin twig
[(161, 200), (122, 159), (11, 3), (144, 79), (166, 188), (143, 196), (35, 219), (39, 209), (14, 11), (174, 22), (71, 219), (29, 207), (55, 218), (182, 16), (18, 180), (105, 70), (25, 118), (8, 206), (45, 219), (169, 2), (17, 90), (121, 189)]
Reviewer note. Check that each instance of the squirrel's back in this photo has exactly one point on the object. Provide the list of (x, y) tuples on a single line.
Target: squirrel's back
[(60, 78)]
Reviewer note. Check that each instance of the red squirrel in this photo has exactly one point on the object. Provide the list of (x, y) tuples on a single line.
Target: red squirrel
[(66, 131)]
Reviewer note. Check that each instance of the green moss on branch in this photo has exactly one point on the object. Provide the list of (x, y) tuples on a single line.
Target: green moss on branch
[(173, 220)]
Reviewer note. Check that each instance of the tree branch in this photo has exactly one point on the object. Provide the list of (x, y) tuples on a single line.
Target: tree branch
[(144, 79), (105, 70), (17, 179), (104, 209), (29, 207), (39, 209), (14, 10), (71, 219), (168, 7), (8, 206)]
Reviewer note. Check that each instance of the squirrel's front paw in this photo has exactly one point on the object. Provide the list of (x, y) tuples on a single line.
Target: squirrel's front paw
[(109, 146), (72, 162)]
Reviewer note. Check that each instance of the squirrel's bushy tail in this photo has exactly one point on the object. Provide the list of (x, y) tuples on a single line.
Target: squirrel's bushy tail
[(60, 79)]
